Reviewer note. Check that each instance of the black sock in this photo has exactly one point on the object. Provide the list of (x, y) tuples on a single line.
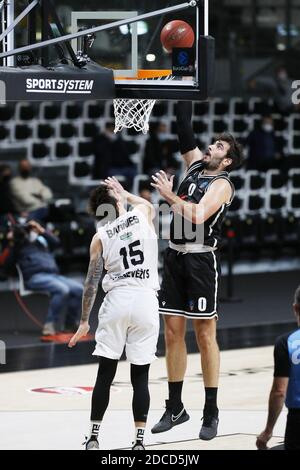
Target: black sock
[(211, 400), (175, 390)]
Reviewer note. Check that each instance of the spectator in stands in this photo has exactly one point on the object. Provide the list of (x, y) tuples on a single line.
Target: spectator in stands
[(278, 87), (159, 150), (112, 156), (6, 203), (30, 195), (286, 386), (265, 151), (30, 249)]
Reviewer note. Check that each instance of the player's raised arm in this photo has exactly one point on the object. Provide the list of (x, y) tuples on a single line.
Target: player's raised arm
[(187, 143), (90, 289), (145, 206), (196, 213)]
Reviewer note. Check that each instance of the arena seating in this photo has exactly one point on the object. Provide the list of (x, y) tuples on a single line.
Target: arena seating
[(58, 136)]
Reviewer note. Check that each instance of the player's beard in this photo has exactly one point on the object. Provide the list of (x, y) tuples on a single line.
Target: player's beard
[(211, 165)]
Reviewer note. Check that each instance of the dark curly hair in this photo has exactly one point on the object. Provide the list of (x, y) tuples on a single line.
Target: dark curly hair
[(101, 197), (235, 152)]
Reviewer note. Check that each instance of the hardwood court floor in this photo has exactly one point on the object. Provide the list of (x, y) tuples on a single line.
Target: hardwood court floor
[(49, 408)]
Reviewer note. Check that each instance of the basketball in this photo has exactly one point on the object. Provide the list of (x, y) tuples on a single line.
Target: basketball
[(177, 33)]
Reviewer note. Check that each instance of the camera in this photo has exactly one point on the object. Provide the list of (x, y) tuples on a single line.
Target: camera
[(20, 232)]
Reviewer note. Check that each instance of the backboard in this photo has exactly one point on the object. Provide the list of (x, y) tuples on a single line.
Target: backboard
[(142, 68), (116, 52)]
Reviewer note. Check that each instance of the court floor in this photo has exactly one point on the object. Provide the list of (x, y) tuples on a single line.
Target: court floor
[(49, 408)]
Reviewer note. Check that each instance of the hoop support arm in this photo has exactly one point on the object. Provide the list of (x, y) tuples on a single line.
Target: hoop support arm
[(68, 37)]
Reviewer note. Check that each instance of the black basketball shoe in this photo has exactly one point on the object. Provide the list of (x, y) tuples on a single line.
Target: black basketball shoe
[(209, 428), (169, 420), (138, 446), (91, 443)]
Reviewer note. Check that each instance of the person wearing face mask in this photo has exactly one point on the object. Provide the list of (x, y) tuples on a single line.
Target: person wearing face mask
[(30, 248), (6, 203), (264, 150), (29, 194)]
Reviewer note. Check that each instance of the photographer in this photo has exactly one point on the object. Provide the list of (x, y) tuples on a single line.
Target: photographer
[(30, 249)]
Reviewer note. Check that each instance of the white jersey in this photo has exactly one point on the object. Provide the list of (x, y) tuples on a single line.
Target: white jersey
[(130, 252)]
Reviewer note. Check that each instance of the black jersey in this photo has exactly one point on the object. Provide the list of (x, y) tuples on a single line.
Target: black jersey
[(192, 189)]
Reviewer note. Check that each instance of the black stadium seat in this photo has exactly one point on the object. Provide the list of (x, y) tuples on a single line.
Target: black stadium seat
[(221, 108), (63, 150), (51, 111), (296, 124), (219, 126), (73, 111), (67, 130), (295, 180), (4, 132), (255, 203), (45, 131), (95, 110), (27, 112), (81, 169), (236, 205), (160, 109), (240, 125), (90, 130), (296, 142), (40, 150), (6, 112), (238, 181), (295, 201), (201, 109), (277, 202), (85, 149), (261, 107), (22, 132), (278, 181), (241, 108), (256, 182), (199, 127)]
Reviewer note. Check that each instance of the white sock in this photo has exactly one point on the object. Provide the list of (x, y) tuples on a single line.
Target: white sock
[(139, 434), (95, 428)]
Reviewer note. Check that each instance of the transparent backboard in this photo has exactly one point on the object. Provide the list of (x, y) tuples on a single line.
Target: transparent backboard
[(134, 50), (123, 36)]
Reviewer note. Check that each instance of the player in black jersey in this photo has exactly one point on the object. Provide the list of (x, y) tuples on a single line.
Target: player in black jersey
[(189, 288)]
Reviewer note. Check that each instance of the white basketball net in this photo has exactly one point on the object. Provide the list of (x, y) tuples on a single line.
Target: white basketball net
[(134, 112)]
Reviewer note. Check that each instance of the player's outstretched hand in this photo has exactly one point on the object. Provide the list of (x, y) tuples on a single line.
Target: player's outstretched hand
[(162, 183), (114, 184), (262, 440), (83, 330)]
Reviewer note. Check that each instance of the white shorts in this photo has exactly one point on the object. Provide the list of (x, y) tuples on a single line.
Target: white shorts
[(128, 318)]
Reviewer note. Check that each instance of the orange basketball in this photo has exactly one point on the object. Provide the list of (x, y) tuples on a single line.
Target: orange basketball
[(177, 33)]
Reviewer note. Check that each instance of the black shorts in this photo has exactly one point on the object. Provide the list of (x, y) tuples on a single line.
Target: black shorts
[(292, 432), (190, 284)]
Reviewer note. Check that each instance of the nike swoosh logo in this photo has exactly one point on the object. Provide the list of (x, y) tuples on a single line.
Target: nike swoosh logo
[(175, 418)]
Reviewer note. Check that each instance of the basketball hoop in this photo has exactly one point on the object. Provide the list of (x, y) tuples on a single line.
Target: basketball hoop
[(135, 113)]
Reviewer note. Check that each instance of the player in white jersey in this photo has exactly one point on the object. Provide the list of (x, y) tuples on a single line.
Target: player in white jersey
[(126, 246)]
